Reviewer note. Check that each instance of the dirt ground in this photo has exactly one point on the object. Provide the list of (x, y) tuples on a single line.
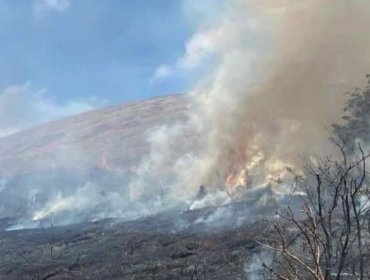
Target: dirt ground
[(175, 246)]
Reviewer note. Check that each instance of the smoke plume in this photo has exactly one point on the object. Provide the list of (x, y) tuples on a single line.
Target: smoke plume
[(281, 69), (277, 71)]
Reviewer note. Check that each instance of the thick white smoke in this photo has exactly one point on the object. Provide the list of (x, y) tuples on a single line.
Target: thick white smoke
[(277, 71), (281, 68)]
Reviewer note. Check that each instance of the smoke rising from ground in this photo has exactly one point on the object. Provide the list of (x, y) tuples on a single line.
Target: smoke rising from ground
[(282, 68), (277, 74)]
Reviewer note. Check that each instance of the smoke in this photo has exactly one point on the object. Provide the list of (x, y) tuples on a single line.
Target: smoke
[(254, 269), (280, 110), (280, 71), (276, 74)]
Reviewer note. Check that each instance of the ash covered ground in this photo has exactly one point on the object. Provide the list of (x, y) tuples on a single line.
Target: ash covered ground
[(208, 243), (260, 110)]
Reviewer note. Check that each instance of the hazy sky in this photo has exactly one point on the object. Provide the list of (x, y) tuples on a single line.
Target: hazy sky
[(61, 57), (109, 49)]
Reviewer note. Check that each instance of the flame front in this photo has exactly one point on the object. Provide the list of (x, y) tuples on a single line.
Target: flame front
[(258, 172)]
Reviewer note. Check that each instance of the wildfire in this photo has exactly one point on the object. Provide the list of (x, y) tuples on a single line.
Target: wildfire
[(236, 179), (272, 172), (241, 177)]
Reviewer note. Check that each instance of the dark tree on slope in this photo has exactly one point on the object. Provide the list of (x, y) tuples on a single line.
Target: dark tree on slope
[(356, 115), (328, 238)]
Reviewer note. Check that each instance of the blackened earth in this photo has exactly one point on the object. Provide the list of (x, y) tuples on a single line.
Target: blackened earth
[(183, 245)]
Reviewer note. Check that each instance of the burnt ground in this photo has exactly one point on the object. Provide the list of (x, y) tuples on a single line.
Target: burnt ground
[(167, 246)]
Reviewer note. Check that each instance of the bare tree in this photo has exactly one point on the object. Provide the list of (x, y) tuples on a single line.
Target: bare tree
[(326, 237)]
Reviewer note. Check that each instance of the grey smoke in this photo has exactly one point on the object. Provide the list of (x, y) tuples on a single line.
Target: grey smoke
[(282, 68), (279, 68)]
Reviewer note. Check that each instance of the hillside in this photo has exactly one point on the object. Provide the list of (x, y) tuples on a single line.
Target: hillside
[(96, 152), (114, 137)]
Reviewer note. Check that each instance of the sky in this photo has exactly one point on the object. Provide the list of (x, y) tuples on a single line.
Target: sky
[(63, 57)]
